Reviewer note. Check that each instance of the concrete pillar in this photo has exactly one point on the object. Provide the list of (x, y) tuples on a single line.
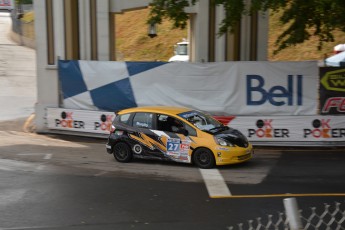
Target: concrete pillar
[(262, 41), (200, 28), (220, 41), (245, 39), (103, 31), (47, 79), (84, 28), (59, 28)]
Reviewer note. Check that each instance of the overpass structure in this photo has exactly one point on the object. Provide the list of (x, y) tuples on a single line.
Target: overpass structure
[(84, 30)]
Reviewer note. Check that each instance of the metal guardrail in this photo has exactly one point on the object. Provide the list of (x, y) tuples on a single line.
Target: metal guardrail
[(331, 218), (299, 143)]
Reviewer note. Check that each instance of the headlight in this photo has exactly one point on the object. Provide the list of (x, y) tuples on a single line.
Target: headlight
[(222, 142)]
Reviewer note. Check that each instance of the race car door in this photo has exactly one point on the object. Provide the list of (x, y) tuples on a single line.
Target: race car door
[(148, 143), (171, 134)]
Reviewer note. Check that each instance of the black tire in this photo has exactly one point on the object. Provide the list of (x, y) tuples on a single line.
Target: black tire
[(203, 158), (122, 152)]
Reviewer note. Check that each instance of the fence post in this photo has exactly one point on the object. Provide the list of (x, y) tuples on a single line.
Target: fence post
[(292, 213)]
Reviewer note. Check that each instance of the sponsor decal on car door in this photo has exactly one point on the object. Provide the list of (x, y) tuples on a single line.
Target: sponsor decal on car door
[(177, 145)]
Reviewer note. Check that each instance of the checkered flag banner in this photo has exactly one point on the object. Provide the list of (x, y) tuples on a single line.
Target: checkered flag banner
[(236, 88)]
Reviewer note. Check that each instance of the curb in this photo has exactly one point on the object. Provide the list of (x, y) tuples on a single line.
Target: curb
[(29, 126)]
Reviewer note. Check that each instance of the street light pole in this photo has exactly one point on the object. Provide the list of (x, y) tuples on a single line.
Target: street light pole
[(152, 31)]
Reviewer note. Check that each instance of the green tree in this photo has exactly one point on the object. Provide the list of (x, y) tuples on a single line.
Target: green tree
[(18, 2), (304, 18)]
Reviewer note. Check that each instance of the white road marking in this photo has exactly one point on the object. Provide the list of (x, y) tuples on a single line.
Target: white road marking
[(8, 196), (13, 165), (32, 138), (40, 167), (30, 154), (215, 183), (48, 156), (100, 173)]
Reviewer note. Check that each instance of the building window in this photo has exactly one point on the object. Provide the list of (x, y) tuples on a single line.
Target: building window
[(50, 32), (93, 29), (233, 44), (71, 29), (254, 36)]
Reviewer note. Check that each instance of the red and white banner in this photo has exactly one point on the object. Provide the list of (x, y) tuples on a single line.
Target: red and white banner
[(290, 128), (257, 129), (84, 121)]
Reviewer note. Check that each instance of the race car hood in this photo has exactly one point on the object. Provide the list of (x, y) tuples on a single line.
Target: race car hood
[(234, 137)]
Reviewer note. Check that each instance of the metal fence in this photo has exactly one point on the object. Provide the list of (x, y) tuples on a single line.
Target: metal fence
[(332, 217)]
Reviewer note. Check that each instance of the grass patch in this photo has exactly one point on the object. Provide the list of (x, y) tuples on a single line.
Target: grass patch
[(133, 44), (301, 52)]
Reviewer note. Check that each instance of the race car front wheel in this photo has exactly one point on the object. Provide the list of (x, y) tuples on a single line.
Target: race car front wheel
[(122, 152), (204, 158)]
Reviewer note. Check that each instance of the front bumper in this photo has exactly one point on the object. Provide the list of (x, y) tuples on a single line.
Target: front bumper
[(234, 155)]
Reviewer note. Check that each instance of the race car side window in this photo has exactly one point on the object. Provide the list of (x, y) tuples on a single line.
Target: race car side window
[(167, 123), (143, 120), (124, 118), (170, 124), (191, 130)]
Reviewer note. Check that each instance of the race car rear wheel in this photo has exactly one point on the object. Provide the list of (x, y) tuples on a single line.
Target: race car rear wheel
[(204, 158), (122, 152)]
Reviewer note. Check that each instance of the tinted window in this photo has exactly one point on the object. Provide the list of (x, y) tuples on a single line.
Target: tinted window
[(143, 120), (168, 123), (171, 124)]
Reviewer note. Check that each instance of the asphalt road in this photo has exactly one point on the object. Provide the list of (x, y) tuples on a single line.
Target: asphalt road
[(17, 75), (64, 182)]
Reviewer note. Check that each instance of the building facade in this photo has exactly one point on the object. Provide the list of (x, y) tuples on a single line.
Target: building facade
[(84, 30)]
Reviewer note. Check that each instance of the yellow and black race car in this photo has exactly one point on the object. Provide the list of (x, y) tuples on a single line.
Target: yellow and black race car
[(176, 134)]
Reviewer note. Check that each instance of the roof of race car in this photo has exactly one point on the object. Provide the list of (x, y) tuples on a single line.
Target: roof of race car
[(156, 109)]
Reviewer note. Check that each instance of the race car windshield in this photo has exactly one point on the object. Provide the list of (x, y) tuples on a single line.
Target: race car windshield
[(201, 120)]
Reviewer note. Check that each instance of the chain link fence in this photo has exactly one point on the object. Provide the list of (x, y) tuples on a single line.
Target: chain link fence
[(331, 217)]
